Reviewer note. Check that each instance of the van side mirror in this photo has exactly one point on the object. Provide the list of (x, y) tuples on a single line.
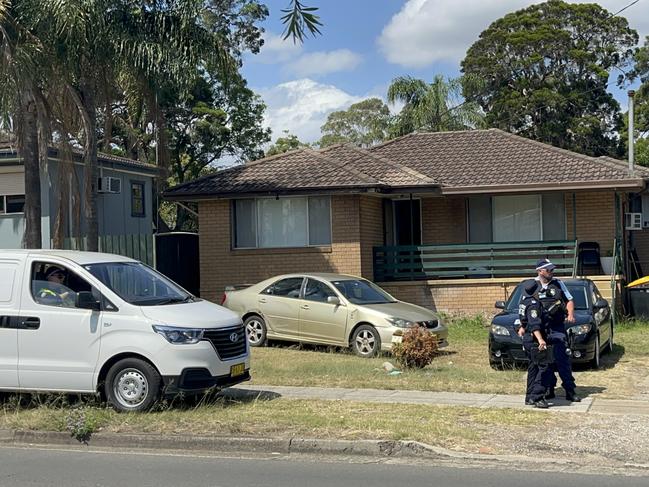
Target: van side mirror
[(600, 303), (500, 305), (86, 300), (333, 300)]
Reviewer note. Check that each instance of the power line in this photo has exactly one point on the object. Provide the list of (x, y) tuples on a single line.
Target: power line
[(623, 9)]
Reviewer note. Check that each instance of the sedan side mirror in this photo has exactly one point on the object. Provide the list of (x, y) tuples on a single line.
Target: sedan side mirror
[(333, 300), (500, 304), (86, 300), (600, 303)]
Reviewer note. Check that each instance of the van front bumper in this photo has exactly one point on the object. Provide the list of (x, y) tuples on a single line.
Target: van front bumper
[(200, 379)]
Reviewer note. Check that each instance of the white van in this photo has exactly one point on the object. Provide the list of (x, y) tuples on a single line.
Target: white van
[(100, 323)]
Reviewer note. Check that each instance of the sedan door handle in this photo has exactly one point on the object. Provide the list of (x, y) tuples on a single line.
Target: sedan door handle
[(305, 306), (30, 324), (262, 300)]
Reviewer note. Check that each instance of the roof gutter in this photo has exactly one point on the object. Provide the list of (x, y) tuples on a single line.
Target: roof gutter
[(624, 184)]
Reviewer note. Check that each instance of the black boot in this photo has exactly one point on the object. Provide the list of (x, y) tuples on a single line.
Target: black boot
[(528, 402), (549, 393), (572, 397), (541, 404)]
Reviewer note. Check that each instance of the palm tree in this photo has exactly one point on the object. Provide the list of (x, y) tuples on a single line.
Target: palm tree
[(433, 107)]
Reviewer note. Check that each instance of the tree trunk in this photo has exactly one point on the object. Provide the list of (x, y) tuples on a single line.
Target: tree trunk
[(91, 170), (28, 148)]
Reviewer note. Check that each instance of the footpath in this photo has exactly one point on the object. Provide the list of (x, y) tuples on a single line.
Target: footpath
[(558, 405)]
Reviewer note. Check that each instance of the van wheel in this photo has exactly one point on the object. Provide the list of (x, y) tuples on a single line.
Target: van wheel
[(366, 341), (256, 330), (132, 385)]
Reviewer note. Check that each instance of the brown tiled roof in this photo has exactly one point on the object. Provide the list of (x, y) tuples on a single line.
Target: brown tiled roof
[(476, 161), (339, 168), (488, 159)]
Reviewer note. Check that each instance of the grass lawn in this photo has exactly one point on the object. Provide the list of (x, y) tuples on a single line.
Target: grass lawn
[(462, 367)]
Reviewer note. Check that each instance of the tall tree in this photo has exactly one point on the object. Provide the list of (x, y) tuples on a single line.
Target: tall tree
[(432, 107), (365, 123), (284, 144), (545, 72)]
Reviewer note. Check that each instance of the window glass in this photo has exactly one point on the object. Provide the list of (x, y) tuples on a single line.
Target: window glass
[(282, 222), (245, 217), (319, 220), (2, 204), (289, 287), (360, 291), (138, 284), (554, 216), (516, 218), (55, 285), (317, 291), (479, 219), (137, 199), (15, 203)]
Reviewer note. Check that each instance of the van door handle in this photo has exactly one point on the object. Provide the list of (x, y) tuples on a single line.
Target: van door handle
[(30, 324)]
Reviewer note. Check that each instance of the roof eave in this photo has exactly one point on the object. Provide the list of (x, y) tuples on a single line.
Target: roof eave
[(620, 184)]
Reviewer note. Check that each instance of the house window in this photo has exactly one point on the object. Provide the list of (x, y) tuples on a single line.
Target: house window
[(517, 218), (12, 204), (282, 222), (137, 199)]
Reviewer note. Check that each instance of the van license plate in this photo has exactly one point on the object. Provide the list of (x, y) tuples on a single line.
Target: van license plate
[(237, 369)]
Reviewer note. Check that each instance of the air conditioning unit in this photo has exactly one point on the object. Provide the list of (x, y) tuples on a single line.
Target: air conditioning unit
[(109, 185), (633, 221)]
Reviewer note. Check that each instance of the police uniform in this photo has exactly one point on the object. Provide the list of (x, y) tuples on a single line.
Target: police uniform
[(531, 315)]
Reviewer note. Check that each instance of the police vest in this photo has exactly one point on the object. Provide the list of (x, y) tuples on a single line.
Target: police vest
[(531, 314), (553, 300)]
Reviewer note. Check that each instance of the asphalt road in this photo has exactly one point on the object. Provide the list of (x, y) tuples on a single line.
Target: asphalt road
[(22, 467)]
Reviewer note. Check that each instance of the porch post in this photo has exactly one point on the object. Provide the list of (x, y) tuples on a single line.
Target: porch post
[(574, 216)]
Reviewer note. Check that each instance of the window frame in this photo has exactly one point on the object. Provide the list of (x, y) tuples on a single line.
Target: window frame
[(257, 216), (322, 283), (300, 292), (3, 205), (142, 185), (69, 271)]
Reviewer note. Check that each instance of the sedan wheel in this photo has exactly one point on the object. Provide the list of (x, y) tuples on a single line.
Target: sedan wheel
[(610, 342), (366, 341), (595, 363), (256, 331)]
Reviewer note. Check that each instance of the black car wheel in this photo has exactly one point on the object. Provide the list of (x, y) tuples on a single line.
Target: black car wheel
[(609, 348), (595, 363)]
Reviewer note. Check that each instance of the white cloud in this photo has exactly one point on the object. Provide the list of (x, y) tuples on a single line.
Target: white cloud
[(321, 63), (428, 31), (301, 107), (276, 50)]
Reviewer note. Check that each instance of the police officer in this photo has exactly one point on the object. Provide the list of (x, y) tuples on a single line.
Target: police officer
[(559, 309), (533, 331), (52, 291)]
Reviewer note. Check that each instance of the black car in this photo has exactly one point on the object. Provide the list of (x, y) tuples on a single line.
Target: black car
[(591, 333)]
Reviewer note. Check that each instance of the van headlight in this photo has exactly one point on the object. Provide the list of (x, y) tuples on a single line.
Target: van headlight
[(401, 323), (499, 330), (178, 335), (580, 329)]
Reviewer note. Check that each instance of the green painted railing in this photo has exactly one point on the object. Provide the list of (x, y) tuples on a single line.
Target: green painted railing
[(136, 246), (511, 259)]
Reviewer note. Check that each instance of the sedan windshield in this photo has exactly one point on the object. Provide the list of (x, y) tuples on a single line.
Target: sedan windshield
[(578, 293), (138, 284), (360, 291)]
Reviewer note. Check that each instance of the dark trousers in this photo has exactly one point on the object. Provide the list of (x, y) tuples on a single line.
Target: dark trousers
[(538, 371), (562, 364)]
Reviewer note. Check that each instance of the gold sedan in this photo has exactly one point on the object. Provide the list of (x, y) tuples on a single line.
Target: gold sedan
[(329, 309)]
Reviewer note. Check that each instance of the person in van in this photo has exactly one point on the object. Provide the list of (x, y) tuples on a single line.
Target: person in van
[(52, 291)]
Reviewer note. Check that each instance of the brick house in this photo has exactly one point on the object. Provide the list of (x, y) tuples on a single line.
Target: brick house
[(448, 220)]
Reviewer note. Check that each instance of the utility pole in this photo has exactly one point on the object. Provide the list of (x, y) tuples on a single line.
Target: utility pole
[(631, 94)]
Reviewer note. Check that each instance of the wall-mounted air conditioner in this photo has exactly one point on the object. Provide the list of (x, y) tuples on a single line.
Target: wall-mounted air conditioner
[(633, 221), (109, 184)]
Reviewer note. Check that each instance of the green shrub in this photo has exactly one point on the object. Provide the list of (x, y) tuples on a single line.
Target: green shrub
[(417, 349)]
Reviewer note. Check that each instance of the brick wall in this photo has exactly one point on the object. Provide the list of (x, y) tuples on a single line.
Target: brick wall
[(443, 220), (222, 266), (371, 232), (595, 218)]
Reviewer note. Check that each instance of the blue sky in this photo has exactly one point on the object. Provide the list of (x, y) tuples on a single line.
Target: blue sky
[(367, 43)]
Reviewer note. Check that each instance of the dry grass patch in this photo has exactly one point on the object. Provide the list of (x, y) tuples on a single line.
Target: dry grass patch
[(449, 427), (462, 367)]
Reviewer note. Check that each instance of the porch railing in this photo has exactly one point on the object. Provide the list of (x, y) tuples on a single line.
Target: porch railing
[(511, 259), (135, 246)]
